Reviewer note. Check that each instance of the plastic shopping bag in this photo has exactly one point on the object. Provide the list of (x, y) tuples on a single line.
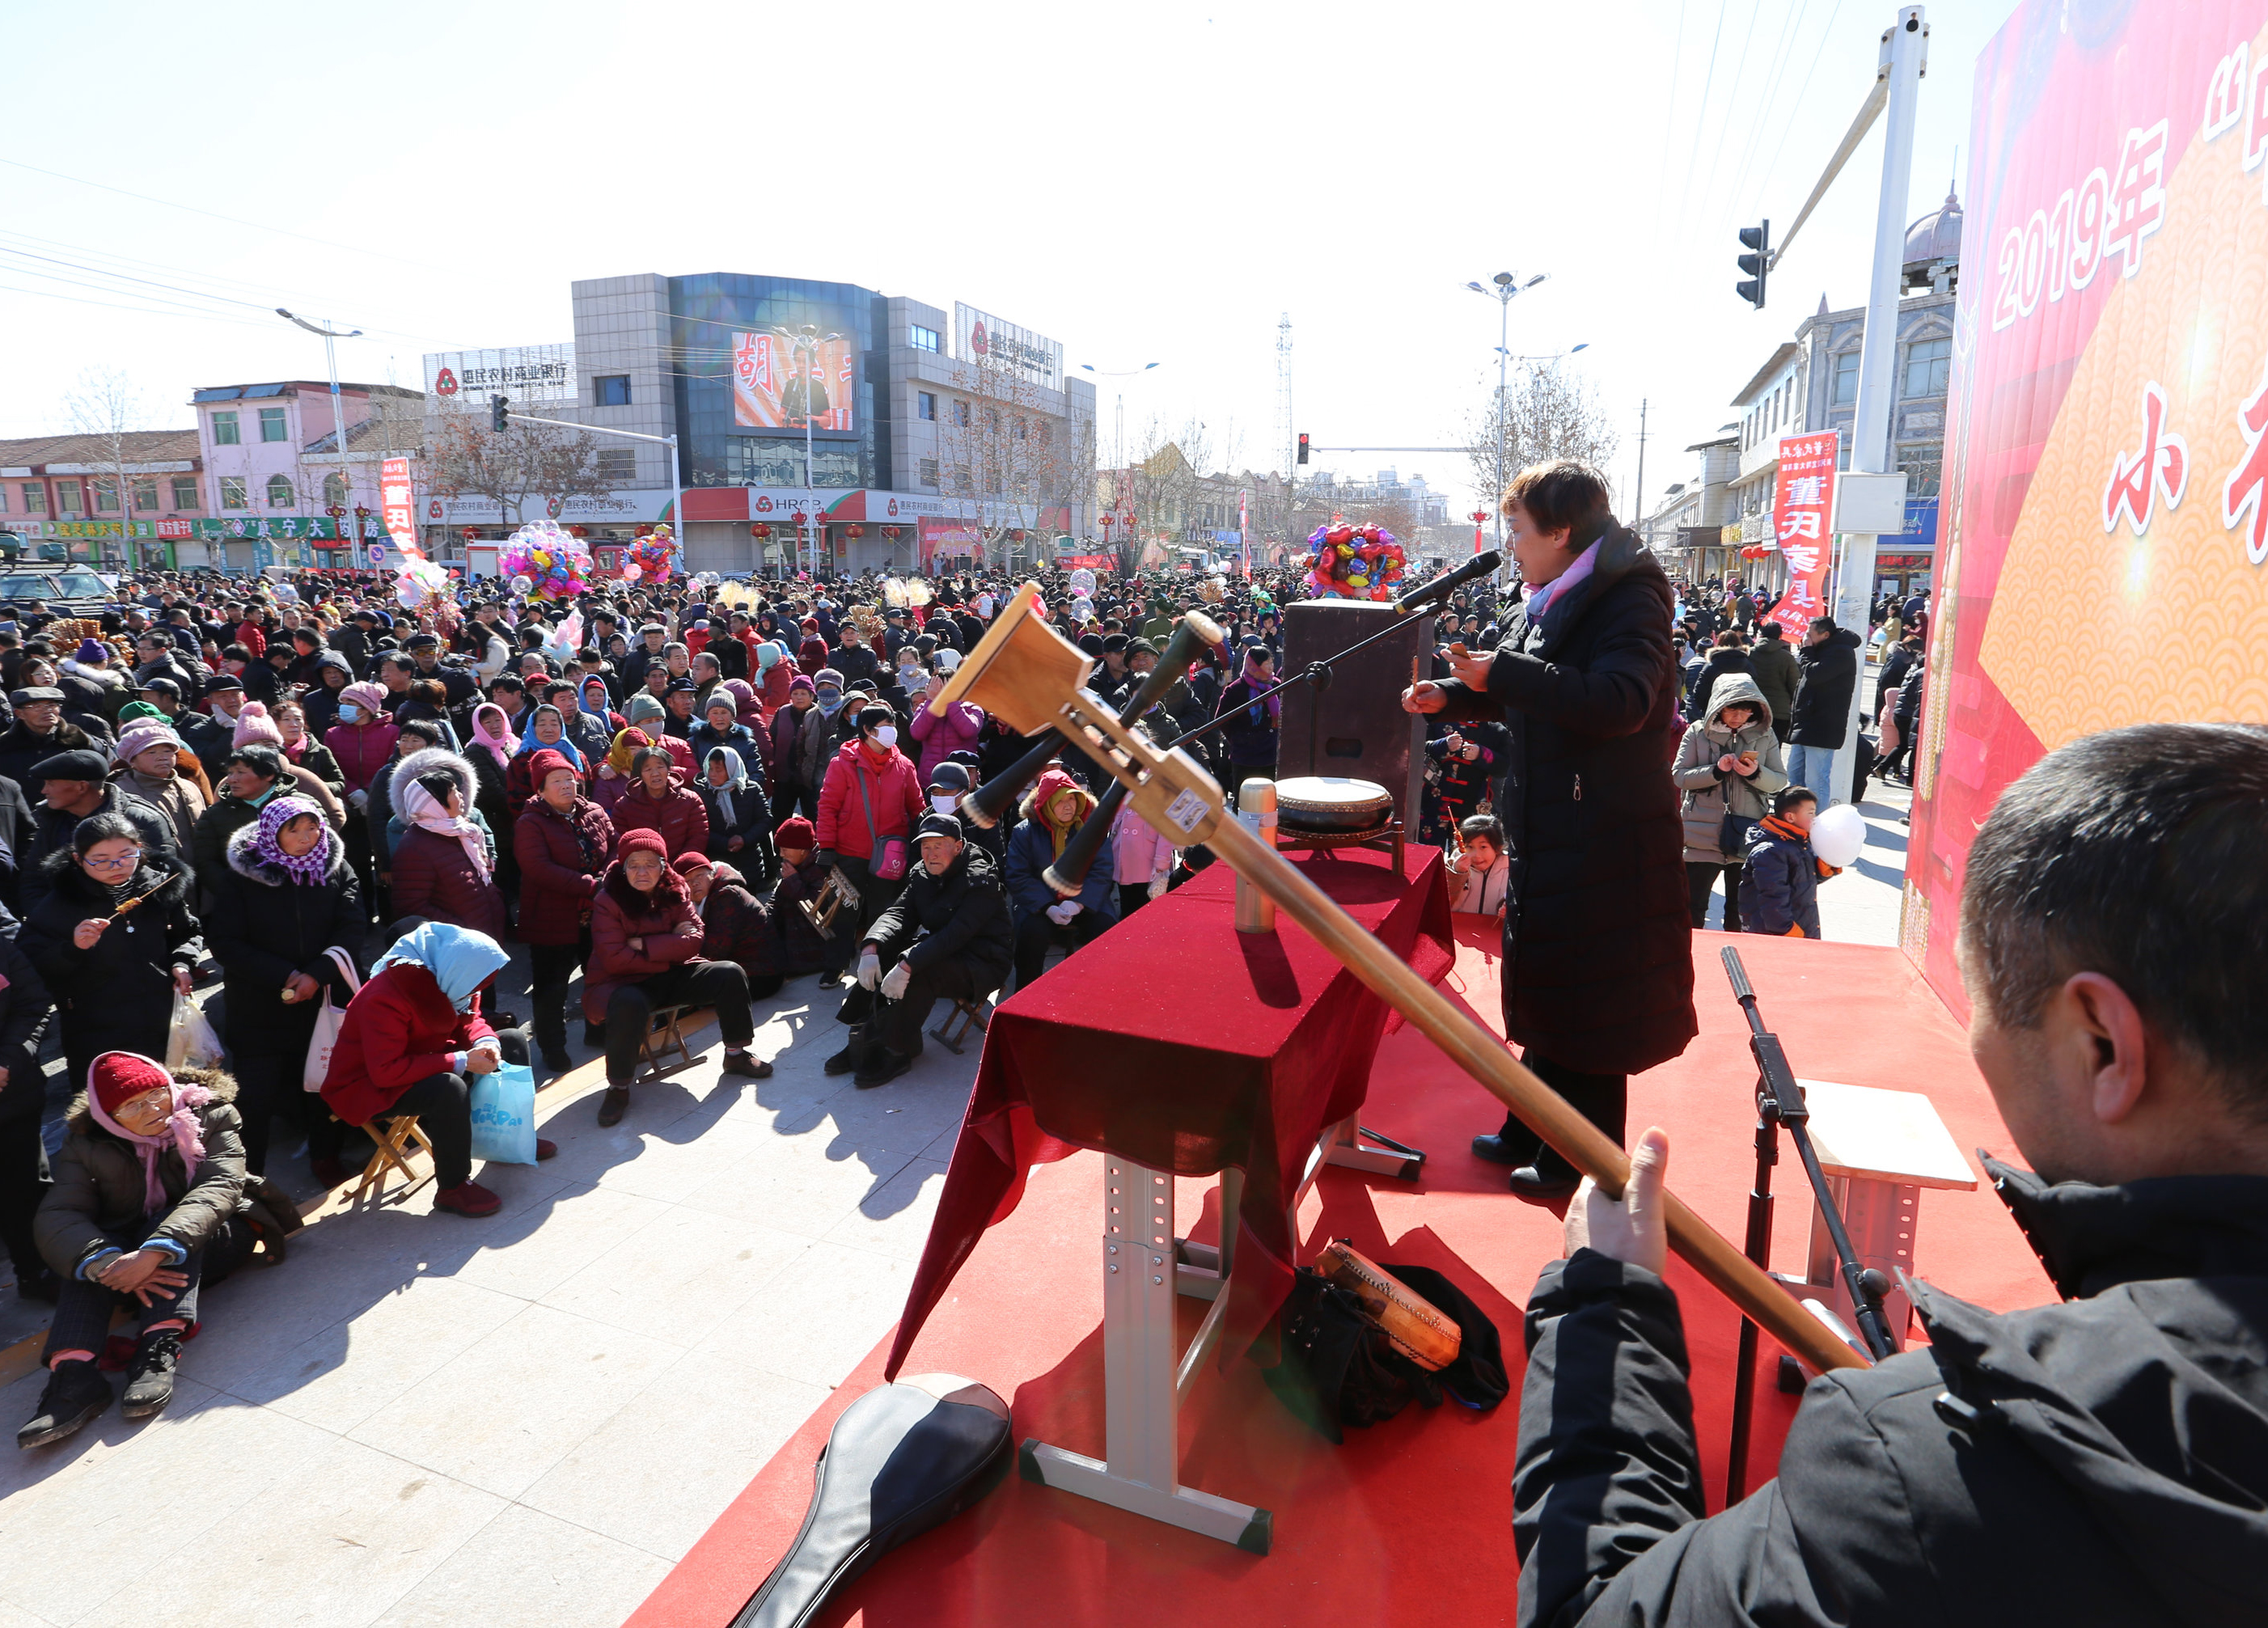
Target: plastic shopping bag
[(331, 1017), (504, 1115), (190, 1042)]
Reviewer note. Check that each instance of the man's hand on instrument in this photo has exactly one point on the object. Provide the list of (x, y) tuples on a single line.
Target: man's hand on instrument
[(870, 967), (1424, 696), (894, 981), (1634, 1228), (1470, 670)]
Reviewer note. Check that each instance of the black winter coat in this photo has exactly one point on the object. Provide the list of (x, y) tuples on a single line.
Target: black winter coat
[(1822, 697), (1598, 941), (18, 838), (757, 856), (2102, 1461), (960, 915), (25, 1008), (121, 992), (264, 927)]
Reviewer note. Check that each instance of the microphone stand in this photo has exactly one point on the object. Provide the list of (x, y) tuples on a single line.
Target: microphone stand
[(1779, 1102)]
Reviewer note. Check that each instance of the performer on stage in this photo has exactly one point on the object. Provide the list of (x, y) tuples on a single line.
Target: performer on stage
[(2101, 1461), (1598, 951)]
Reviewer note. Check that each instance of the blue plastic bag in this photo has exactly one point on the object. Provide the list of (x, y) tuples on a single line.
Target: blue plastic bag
[(504, 1115)]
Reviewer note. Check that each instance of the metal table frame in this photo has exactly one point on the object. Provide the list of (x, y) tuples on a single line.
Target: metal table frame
[(1144, 1266)]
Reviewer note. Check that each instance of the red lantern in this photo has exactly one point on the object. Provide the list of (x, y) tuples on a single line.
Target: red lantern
[(578, 531), (857, 530), (893, 532), (471, 535), (760, 530)]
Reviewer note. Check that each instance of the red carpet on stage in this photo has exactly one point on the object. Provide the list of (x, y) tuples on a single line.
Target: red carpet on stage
[(1409, 1522)]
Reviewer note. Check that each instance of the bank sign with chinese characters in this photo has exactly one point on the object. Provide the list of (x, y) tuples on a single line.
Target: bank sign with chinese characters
[(531, 375), (2106, 457), (984, 340)]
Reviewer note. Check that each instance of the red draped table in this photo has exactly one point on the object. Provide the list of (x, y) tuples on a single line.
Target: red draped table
[(1176, 1045)]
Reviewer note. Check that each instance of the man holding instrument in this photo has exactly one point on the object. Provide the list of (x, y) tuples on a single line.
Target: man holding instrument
[(2101, 1461), (1598, 948)]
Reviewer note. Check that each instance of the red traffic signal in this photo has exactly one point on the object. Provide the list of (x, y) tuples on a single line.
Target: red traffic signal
[(1303, 446)]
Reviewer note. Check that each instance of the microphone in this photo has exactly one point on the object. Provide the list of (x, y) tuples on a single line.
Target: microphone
[(1418, 599)]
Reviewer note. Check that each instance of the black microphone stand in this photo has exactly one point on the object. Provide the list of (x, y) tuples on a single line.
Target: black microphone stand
[(1779, 1102)]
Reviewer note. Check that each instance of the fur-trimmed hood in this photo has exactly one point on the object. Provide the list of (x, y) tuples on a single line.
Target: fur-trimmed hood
[(424, 762), (66, 880), (80, 1121), (246, 863)]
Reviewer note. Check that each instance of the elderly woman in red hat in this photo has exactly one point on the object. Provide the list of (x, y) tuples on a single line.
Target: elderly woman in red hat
[(150, 1171)]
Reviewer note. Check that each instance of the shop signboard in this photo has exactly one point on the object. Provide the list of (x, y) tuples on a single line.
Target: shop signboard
[(2106, 460), (779, 382), (985, 341)]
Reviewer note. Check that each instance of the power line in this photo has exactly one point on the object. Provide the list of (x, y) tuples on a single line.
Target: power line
[(79, 181), (1700, 117), (147, 311)]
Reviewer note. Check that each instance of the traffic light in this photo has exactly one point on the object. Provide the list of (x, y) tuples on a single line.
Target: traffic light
[(1303, 446), (1757, 263), (497, 412)]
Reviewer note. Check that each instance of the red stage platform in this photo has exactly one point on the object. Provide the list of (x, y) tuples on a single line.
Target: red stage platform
[(1410, 1521)]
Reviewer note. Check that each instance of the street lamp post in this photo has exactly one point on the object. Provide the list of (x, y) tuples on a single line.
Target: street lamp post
[(807, 341), (338, 413), (1506, 287), (1118, 474)]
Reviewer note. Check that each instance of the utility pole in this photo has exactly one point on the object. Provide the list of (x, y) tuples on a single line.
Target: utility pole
[(1905, 55), (1638, 498)]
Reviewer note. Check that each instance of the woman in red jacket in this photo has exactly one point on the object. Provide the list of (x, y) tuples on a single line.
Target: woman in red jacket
[(445, 865), (413, 1038), (564, 841), (646, 950), (871, 795), (656, 802)]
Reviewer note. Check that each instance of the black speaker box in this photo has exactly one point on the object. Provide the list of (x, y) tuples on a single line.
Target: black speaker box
[(1354, 726)]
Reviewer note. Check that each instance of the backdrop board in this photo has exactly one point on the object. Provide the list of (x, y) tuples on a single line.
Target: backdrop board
[(2105, 560), (1355, 725)]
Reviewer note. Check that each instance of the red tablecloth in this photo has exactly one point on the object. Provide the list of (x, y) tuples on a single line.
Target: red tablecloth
[(1180, 1043)]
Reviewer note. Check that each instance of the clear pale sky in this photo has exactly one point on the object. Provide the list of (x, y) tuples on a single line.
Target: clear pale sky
[(1142, 183)]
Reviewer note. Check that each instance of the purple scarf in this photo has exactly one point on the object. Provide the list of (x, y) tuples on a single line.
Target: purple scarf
[(180, 1132), (310, 867)]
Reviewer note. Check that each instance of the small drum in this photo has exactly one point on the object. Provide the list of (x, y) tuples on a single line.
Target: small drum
[(1331, 804)]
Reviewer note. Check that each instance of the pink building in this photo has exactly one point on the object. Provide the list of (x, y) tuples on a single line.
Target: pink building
[(277, 489)]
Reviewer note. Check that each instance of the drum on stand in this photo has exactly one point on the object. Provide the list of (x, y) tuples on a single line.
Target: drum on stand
[(1332, 806)]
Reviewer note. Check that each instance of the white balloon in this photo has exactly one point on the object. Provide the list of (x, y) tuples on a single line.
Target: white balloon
[(1839, 835)]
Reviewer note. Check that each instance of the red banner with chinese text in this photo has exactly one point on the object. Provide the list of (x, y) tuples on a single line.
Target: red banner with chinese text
[(1803, 497), (397, 497)]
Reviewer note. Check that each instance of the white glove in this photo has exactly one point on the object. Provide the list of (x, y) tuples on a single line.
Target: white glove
[(870, 968), (1061, 913), (894, 984), (359, 798)]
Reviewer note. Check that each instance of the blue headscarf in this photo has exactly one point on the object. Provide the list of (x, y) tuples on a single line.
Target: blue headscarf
[(459, 958), (564, 746)]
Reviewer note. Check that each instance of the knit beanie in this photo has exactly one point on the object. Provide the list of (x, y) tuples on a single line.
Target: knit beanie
[(253, 724), (92, 650), (369, 696), (796, 832), (134, 712), (140, 735), (641, 841), (542, 764), (801, 682), (117, 1078), (686, 863), (642, 706)]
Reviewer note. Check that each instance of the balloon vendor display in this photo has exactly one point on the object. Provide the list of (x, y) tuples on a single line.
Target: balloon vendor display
[(419, 585), (654, 555), (1353, 562), (550, 564)]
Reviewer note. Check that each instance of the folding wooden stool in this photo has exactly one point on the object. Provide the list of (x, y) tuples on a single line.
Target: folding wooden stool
[(394, 1152)]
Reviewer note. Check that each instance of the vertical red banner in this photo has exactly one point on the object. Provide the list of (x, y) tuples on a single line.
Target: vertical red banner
[(1803, 497), (398, 499)]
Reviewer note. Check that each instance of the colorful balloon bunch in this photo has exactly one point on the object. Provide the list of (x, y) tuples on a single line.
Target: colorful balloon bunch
[(1353, 562), (551, 563), (653, 556), (419, 585)]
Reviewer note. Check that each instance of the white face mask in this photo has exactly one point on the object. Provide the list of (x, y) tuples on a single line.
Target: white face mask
[(944, 802), (886, 735)]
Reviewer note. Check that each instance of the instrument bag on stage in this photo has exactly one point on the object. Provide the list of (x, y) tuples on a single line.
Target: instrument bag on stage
[(901, 1459), (1336, 1367)]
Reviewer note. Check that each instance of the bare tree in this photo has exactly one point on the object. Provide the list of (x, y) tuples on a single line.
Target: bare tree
[(543, 464), (1546, 412), (104, 406)]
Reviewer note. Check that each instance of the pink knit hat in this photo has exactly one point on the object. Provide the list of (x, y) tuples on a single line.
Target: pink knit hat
[(252, 724)]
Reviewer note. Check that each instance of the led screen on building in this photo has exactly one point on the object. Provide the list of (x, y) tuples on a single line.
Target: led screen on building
[(776, 382)]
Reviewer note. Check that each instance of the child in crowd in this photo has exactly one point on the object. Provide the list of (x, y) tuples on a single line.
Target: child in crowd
[(1779, 885), (1482, 871)]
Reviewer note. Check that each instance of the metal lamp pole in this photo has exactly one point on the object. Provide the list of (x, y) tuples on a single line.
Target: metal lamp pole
[(1506, 287), (338, 412), (1118, 478), (807, 341)]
